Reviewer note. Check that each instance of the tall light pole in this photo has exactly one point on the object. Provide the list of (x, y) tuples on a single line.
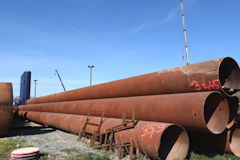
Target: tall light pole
[(185, 34), (90, 74), (35, 91)]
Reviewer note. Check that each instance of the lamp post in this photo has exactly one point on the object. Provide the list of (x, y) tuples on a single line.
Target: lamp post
[(35, 91), (90, 74)]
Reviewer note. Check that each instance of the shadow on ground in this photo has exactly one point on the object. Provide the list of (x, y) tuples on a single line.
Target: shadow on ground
[(21, 127)]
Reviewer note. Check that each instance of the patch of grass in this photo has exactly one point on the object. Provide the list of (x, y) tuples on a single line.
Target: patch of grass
[(89, 157), (108, 153), (70, 150), (44, 156), (8, 145), (194, 156), (73, 154), (141, 157)]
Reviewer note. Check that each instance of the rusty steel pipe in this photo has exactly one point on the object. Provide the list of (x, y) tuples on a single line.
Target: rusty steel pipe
[(226, 142), (6, 102), (221, 75), (155, 139), (202, 111)]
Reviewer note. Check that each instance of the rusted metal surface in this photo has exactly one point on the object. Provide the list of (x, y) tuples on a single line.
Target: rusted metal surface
[(228, 141), (202, 111), (155, 139), (106, 139), (6, 101), (220, 75)]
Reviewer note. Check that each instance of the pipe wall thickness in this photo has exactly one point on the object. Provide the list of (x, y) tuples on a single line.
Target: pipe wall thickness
[(220, 75), (155, 139), (201, 111)]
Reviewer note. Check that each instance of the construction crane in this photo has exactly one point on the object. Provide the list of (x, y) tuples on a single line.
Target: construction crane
[(60, 80), (185, 34)]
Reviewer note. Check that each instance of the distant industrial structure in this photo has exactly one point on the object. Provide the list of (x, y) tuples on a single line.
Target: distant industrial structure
[(25, 87)]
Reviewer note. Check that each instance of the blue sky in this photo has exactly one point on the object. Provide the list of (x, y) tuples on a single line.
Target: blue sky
[(122, 38)]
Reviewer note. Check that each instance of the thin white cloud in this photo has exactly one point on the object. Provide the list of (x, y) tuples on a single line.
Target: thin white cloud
[(176, 12), (171, 16), (37, 52), (139, 28)]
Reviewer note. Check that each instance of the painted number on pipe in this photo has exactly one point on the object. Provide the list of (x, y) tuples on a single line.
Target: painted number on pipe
[(211, 85), (151, 129)]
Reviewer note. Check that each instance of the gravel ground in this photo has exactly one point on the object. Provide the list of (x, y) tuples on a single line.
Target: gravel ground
[(53, 141)]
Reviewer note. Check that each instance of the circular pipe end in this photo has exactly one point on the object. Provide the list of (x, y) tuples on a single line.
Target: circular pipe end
[(229, 76), (216, 113), (174, 143), (235, 142)]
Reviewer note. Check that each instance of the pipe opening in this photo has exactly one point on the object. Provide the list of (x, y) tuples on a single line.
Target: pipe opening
[(233, 108), (174, 143), (25, 115), (229, 76), (235, 142), (216, 113)]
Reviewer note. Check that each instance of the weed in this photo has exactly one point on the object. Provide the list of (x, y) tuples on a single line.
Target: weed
[(195, 156), (8, 145), (44, 156), (90, 157), (73, 154), (70, 150)]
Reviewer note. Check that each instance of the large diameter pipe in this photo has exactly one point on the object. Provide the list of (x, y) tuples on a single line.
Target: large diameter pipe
[(155, 139), (233, 142), (6, 102), (226, 142), (202, 111), (220, 75)]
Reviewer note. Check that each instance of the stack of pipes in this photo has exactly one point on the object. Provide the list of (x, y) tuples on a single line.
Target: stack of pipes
[(197, 97)]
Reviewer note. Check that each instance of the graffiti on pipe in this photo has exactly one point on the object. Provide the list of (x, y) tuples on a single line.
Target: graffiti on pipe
[(212, 85), (151, 129)]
